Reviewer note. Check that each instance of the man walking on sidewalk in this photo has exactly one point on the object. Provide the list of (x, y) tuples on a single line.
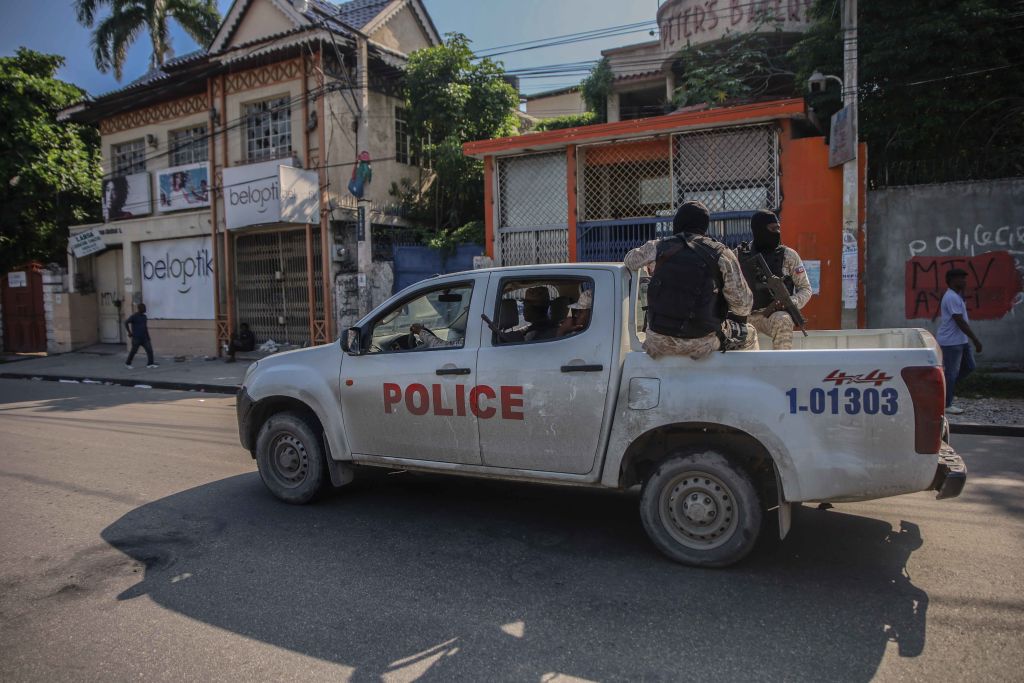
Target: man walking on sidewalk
[(952, 335), (138, 328)]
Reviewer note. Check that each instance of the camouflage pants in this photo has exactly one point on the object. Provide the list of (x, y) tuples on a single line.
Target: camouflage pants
[(778, 326), (657, 345)]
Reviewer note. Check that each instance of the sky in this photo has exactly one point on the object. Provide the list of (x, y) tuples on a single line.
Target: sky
[(50, 26)]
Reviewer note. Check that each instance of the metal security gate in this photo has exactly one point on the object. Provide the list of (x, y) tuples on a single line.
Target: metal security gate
[(271, 288), (728, 169), (533, 210), (628, 191)]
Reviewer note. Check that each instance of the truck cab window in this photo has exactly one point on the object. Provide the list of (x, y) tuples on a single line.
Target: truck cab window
[(530, 311), (433, 320)]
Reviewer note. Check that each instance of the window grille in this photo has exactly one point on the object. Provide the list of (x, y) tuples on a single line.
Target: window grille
[(268, 129), (728, 169), (624, 180), (405, 152), (533, 209), (188, 146), (129, 157)]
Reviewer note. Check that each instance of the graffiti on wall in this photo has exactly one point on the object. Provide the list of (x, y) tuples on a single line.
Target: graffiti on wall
[(993, 259), (993, 284)]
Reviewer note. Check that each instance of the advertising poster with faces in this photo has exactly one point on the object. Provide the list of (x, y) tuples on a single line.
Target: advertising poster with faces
[(177, 278), (183, 187), (126, 196)]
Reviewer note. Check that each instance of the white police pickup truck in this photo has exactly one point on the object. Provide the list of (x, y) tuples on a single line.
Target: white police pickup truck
[(510, 375)]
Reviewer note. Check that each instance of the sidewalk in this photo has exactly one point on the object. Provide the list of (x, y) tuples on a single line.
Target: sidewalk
[(105, 363)]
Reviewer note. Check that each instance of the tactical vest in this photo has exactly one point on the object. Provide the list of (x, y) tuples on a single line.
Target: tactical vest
[(775, 260), (684, 297)]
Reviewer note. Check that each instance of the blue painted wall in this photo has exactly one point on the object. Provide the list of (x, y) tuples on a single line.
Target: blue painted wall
[(413, 264)]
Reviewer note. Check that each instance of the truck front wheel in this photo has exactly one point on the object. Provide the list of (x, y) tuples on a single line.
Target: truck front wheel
[(701, 509), (290, 458)]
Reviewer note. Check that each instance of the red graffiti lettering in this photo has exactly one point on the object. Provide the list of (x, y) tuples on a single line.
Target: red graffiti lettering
[(993, 283), (392, 395)]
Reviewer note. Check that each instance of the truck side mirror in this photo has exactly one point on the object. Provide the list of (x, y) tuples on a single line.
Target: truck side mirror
[(351, 341)]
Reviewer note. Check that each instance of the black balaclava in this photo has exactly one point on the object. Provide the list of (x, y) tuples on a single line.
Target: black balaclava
[(692, 216), (765, 239)]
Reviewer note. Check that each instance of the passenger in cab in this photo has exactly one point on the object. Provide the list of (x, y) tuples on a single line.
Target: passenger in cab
[(579, 315)]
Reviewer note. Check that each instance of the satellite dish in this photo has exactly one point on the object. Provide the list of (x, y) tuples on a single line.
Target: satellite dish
[(301, 5)]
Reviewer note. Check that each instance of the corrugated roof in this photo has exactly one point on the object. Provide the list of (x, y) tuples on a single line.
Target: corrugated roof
[(359, 13)]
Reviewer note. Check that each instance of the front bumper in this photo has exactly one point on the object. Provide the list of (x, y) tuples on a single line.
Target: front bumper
[(243, 408), (950, 475)]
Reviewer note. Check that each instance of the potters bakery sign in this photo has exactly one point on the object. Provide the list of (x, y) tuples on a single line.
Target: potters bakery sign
[(692, 22), (177, 278), (270, 192)]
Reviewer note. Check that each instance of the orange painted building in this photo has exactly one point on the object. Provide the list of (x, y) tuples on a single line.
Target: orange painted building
[(592, 193)]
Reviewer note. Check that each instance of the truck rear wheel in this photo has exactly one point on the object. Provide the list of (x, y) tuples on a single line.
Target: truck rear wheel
[(701, 509), (290, 458)]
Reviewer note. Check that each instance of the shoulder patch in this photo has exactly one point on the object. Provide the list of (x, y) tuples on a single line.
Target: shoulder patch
[(800, 269)]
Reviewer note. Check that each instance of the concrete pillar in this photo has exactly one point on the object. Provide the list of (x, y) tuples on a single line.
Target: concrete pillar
[(613, 107), (364, 249)]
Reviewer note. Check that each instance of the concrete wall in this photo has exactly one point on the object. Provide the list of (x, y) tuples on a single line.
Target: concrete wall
[(70, 316), (553, 106), (917, 234)]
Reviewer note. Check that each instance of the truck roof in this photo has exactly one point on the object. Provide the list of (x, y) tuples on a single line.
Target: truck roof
[(608, 265)]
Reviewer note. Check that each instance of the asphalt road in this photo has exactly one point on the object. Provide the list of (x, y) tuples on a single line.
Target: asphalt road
[(137, 542)]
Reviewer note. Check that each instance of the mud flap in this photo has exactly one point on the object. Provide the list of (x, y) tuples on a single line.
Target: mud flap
[(785, 510)]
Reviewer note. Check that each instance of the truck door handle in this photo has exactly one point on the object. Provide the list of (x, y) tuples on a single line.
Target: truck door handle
[(453, 371), (582, 368)]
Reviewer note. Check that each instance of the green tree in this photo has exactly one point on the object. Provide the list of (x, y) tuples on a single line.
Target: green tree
[(940, 82), (596, 88), (750, 65), (50, 170), (115, 33), (452, 98)]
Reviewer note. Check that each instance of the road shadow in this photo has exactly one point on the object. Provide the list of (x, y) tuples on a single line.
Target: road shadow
[(402, 575)]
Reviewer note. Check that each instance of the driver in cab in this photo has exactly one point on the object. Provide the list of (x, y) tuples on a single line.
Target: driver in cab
[(426, 338)]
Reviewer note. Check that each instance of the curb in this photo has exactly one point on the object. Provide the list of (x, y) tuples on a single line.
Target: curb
[(229, 389), (985, 430)]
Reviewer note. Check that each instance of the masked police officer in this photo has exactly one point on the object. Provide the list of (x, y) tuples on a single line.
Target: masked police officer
[(768, 316), (697, 298)]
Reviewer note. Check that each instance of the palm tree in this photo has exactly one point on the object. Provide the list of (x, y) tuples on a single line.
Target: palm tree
[(116, 33)]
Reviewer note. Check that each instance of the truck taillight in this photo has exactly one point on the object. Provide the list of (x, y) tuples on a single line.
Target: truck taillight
[(927, 387)]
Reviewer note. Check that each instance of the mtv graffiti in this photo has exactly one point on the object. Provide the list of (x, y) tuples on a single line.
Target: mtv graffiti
[(993, 284)]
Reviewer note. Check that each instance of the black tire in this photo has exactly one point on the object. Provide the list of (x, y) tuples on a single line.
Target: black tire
[(701, 509), (290, 458)]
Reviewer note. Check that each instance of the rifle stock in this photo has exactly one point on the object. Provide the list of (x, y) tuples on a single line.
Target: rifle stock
[(777, 288)]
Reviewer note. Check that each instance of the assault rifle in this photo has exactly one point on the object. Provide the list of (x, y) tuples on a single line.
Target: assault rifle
[(777, 288)]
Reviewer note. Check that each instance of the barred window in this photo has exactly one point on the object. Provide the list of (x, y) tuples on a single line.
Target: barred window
[(268, 129), (188, 146), (128, 157), (405, 152)]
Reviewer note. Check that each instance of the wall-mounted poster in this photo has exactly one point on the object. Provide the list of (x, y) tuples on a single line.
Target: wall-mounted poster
[(126, 196), (183, 187), (177, 278)]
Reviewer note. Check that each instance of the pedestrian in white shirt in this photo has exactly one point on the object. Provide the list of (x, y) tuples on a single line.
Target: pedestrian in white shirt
[(953, 335)]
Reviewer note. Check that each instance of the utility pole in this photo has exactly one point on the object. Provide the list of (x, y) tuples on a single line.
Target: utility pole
[(851, 272), (364, 250)]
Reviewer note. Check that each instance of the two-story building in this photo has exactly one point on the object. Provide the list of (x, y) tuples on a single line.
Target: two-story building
[(235, 182)]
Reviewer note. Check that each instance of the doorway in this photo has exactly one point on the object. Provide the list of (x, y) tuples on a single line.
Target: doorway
[(271, 292), (23, 316), (108, 269)]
